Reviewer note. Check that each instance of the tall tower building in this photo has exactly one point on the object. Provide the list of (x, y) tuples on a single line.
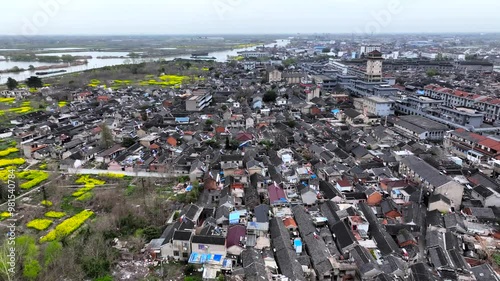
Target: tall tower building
[(366, 49), (374, 66)]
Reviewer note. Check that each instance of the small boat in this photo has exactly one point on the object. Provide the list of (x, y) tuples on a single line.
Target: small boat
[(49, 72), (199, 55), (203, 58)]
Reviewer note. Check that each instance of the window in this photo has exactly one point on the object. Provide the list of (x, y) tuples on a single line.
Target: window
[(176, 253), (185, 255)]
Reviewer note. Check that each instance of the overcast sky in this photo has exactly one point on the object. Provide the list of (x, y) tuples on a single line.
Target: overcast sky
[(29, 17)]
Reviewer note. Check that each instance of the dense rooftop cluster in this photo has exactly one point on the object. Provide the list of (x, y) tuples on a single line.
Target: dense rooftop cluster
[(307, 171)]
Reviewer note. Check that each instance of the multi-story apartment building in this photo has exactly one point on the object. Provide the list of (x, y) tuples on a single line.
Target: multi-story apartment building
[(378, 106), (473, 147), (489, 106), (199, 100)]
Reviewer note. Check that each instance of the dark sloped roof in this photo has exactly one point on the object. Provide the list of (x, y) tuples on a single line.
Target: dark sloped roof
[(262, 213), (288, 265), (425, 170), (183, 235), (434, 218), (304, 221), (483, 191), (351, 113), (457, 259), (319, 254), (484, 272), (421, 272), (439, 197), (253, 265), (343, 234), (438, 257), (209, 239)]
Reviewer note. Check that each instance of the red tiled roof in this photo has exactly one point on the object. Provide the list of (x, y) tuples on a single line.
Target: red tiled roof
[(172, 141), (344, 182), (491, 143), (289, 222), (237, 185), (85, 94), (275, 193), (38, 148), (234, 235)]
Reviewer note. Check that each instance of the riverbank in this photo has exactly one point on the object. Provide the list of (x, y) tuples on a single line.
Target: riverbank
[(220, 56), (43, 68)]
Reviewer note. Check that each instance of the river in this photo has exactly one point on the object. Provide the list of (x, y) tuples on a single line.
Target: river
[(220, 56)]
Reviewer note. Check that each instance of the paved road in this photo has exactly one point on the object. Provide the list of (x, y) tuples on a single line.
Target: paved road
[(132, 174)]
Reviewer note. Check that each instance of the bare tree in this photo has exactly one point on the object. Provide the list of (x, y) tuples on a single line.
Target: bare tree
[(106, 136)]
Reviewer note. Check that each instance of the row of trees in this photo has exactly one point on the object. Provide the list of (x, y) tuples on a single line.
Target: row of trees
[(32, 82), (31, 57)]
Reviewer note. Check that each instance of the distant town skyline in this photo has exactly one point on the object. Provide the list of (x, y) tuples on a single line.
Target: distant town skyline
[(75, 17)]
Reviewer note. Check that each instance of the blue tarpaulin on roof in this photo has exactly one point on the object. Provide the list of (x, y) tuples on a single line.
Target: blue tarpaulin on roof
[(189, 188), (420, 92), (182, 119), (313, 176), (245, 143), (234, 218), (217, 258), (297, 243), (194, 258), (335, 111), (197, 258)]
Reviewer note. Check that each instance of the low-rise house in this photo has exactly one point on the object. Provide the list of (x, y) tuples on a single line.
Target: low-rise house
[(390, 209), (439, 202), (285, 254), (235, 240), (181, 244), (488, 196), (276, 195), (373, 196), (209, 244), (343, 237), (254, 265), (484, 272), (344, 185)]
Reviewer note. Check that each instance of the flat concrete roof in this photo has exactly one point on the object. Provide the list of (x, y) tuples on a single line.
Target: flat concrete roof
[(423, 122), (379, 99)]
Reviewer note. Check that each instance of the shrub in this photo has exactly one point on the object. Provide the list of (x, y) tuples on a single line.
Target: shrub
[(87, 180), (35, 177), (39, 224), (4, 215), (9, 162), (46, 203), (8, 151), (7, 100), (84, 197), (112, 175), (68, 226), (31, 269), (55, 215), (83, 190)]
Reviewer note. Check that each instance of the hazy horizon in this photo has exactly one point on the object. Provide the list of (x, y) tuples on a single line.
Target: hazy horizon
[(233, 17)]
